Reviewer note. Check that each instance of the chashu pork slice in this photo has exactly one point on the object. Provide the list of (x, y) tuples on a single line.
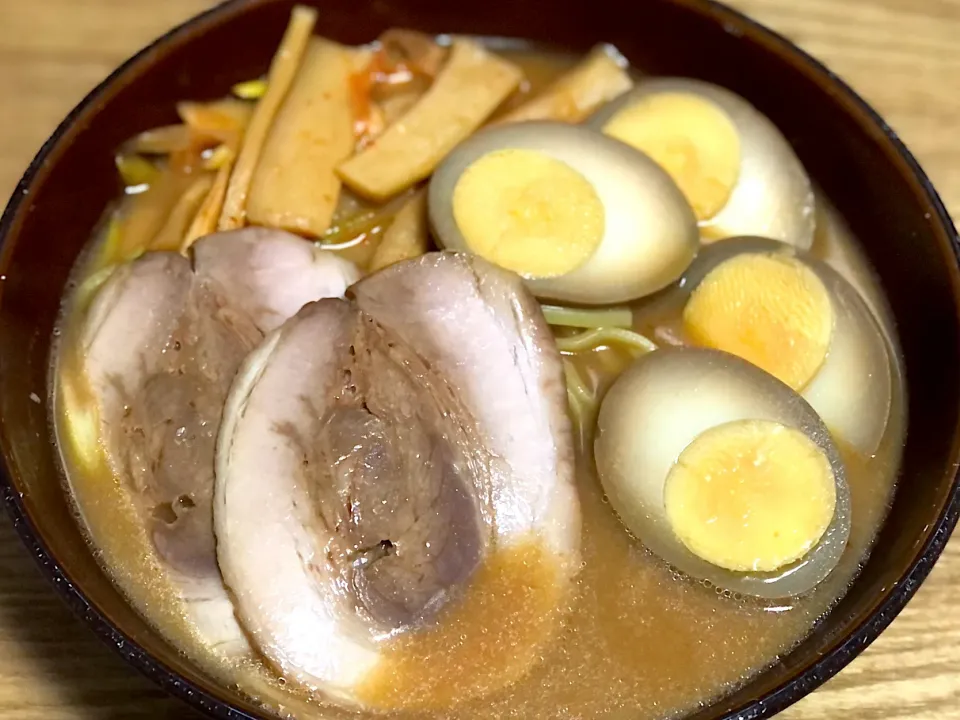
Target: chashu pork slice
[(484, 332), (380, 463), (159, 348)]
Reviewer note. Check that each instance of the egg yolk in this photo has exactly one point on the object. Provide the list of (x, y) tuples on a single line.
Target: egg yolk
[(750, 495), (689, 137), (772, 310), (528, 212)]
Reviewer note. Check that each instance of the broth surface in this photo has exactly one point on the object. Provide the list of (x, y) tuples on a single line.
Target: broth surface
[(638, 639)]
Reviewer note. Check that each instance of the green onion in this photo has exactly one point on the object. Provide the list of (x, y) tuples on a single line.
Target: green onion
[(112, 241), (250, 90), (582, 318), (89, 287), (353, 226), (361, 223), (218, 157), (136, 170), (591, 339)]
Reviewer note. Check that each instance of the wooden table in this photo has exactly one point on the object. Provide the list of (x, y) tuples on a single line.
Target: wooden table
[(902, 55)]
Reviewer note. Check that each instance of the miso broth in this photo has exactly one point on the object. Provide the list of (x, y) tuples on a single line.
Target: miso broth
[(636, 637)]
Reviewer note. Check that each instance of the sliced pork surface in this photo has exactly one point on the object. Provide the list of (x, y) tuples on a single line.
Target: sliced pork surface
[(370, 463), (269, 274), (483, 332), (161, 344)]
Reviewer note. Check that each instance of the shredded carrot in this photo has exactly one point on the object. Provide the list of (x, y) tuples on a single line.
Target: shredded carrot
[(222, 121), (473, 83), (218, 129), (405, 59), (359, 85), (367, 120)]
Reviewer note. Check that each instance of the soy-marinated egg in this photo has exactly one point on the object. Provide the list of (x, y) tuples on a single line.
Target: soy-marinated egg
[(734, 166), (582, 217), (724, 472), (802, 322)]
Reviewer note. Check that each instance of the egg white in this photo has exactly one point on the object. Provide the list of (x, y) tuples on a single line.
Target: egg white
[(852, 391), (773, 196), (656, 408), (650, 233)]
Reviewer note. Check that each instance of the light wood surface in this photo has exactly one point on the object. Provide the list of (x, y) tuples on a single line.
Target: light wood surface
[(902, 55)]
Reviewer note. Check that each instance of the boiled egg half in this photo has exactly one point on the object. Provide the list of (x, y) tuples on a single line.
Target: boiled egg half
[(799, 320), (734, 166), (724, 472), (580, 216)]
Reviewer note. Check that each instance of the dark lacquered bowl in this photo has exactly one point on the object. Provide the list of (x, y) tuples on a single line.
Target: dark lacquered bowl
[(850, 152)]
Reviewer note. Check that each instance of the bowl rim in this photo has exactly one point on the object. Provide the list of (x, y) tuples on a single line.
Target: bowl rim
[(825, 667)]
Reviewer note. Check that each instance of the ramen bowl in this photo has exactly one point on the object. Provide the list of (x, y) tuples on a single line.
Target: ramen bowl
[(853, 157)]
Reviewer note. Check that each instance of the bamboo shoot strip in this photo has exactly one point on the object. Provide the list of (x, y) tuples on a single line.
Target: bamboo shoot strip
[(228, 119), (205, 221), (465, 93), (171, 234), (407, 237), (282, 71), (294, 186), (594, 81)]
